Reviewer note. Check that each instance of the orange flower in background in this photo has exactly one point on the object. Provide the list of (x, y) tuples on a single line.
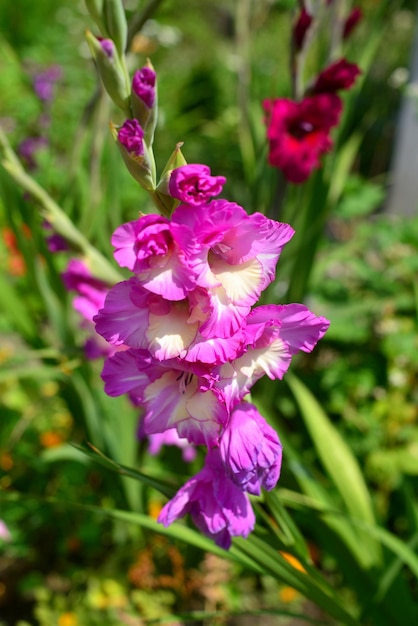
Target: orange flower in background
[(68, 619), (15, 261), (51, 439), (288, 594)]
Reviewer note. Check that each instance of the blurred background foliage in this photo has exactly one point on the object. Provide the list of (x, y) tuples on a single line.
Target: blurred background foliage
[(69, 566)]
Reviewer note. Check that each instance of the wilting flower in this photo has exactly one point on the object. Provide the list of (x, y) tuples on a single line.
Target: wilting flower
[(217, 506), (194, 185), (130, 135), (251, 450), (339, 75), (143, 85), (298, 133)]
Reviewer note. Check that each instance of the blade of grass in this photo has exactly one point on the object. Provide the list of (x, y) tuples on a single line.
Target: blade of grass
[(338, 461)]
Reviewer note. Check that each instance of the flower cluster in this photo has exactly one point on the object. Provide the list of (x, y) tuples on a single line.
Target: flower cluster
[(298, 130), (194, 343)]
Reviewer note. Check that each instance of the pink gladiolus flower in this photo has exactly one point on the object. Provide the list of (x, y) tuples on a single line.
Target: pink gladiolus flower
[(193, 184), (217, 506), (173, 393), (161, 253), (143, 85), (131, 135), (337, 76), (298, 133), (274, 334), (136, 318), (251, 450), (91, 291), (239, 254)]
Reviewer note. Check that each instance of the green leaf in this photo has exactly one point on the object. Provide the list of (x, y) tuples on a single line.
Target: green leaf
[(96, 455), (339, 462)]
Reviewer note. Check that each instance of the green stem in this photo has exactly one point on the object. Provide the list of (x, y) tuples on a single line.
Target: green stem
[(99, 265)]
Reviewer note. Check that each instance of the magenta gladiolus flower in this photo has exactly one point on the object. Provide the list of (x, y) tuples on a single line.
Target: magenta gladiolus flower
[(298, 133), (251, 450), (134, 317), (337, 76), (193, 184), (143, 85), (131, 135), (174, 394), (161, 253), (274, 333), (217, 506)]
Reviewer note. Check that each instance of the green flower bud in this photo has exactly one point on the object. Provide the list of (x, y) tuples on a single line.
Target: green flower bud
[(115, 23), (95, 8), (110, 70)]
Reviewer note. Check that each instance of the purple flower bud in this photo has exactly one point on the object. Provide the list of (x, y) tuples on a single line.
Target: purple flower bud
[(251, 450), (143, 85), (131, 135), (108, 47), (192, 184)]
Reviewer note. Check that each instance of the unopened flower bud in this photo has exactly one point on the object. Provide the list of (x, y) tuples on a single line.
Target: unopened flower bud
[(135, 153), (110, 70), (95, 8), (115, 23), (300, 28), (144, 100), (351, 22)]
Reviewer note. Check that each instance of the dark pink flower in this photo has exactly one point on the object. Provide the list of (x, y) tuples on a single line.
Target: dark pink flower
[(298, 133), (193, 184), (300, 28), (131, 135), (143, 85), (351, 22), (339, 75)]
